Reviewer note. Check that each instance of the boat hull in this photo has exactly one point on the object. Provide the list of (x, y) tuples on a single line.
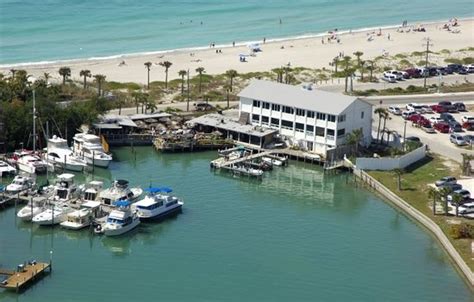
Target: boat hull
[(116, 232), (160, 216), (73, 225), (27, 215), (102, 163)]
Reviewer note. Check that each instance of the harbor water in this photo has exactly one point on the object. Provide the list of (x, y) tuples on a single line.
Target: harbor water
[(51, 30), (296, 235)]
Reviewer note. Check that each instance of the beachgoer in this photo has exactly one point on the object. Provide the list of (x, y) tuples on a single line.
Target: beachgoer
[(388, 36), (264, 39), (322, 40), (233, 44), (338, 40)]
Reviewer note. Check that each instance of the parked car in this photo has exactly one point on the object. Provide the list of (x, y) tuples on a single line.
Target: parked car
[(467, 118), (414, 107), (436, 119), (449, 107), (454, 67), (442, 127), (466, 208), (462, 70), (407, 114), (447, 117), (469, 138), (452, 187), (441, 70), (457, 139), (413, 139), (427, 127), (415, 117), (460, 106), (468, 122), (439, 108), (203, 106), (432, 71), (469, 68), (395, 110), (413, 72), (426, 109), (465, 194), (398, 74), (389, 78), (447, 180), (454, 127)]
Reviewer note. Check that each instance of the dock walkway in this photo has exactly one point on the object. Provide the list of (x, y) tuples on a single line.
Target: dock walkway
[(21, 277)]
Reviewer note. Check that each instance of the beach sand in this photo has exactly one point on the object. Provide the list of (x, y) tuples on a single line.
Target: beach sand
[(306, 52)]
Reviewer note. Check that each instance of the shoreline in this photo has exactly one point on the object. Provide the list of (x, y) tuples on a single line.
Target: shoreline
[(304, 50), (224, 46)]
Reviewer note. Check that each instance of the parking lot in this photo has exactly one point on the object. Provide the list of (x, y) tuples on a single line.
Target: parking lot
[(437, 142)]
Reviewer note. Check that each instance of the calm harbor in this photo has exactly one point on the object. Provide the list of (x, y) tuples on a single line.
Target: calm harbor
[(296, 234)]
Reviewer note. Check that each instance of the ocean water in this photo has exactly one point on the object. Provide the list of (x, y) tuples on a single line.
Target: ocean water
[(298, 235), (49, 30)]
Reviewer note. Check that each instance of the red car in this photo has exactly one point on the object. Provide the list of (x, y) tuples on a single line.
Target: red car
[(439, 108), (415, 118), (423, 122), (468, 125), (442, 127)]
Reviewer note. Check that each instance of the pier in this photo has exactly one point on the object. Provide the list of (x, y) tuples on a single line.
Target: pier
[(24, 275), (11, 199)]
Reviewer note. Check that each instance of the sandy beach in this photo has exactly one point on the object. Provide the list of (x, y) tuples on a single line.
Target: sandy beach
[(307, 52)]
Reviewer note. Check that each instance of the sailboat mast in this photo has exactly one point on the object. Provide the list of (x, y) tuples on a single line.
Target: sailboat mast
[(34, 121)]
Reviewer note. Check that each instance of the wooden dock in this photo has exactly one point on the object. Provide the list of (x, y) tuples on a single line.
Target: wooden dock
[(11, 199), (24, 275)]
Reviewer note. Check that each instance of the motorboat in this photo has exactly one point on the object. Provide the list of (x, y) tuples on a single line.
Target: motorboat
[(247, 171), (31, 164), (19, 184), (6, 169), (54, 215), (157, 204), (119, 191), (121, 220), (83, 217), (59, 154), (272, 161), (34, 207), (88, 147), (65, 189), (91, 192)]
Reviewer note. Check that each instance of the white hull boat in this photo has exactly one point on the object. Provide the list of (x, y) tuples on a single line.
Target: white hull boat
[(272, 161), (121, 220), (52, 216), (6, 169), (89, 148), (33, 208), (20, 184), (83, 217), (60, 155), (157, 206), (32, 164)]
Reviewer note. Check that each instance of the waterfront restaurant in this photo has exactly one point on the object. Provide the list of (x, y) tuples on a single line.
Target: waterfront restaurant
[(312, 119)]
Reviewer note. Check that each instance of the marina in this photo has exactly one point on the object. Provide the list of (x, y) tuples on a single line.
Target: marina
[(24, 275)]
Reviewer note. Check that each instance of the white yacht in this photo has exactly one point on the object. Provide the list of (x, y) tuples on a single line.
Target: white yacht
[(31, 164), (92, 190), (83, 217), (89, 148), (6, 169), (61, 155), (156, 206), (120, 220), (20, 183), (247, 171), (65, 189), (54, 215), (35, 206), (119, 191), (272, 161)]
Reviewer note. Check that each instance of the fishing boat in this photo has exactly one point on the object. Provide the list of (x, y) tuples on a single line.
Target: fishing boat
[(272, 161), (6, 169), (157, 204), (247, 171), (83, 217), (89, 148), (121, 220), (19, 184), (32, 163), (92, 190), (34, 207), (59, 154), (54, 215), (119, 191), (64, 189)]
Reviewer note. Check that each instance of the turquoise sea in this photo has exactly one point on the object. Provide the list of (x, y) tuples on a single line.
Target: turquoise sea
[(298, 235), (49, 30)]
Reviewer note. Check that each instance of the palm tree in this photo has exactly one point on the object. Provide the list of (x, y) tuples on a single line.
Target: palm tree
[(166, 65), (399, 173), (200, 70), (231, 73), (182, 73), (347, 72), (148, 67), (370, 67), (433, 193), (46, 77), (150, 105), (444, 192), (358, 54), (86, 74), (362, 69), (100, 79), (457, 201), (354, 138), (385, 116), (381, 112), (279, 72), (13, 71), (466, 163), (287, 71), (65, 72)]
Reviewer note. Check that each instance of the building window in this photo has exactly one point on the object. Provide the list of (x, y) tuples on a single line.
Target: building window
[(319, 131), (255, 118), (256, 103), (362, 114), (331, 118), (287, 124), (265, 120), (330, 134), (321, 116), (287, 109), (341, 118), (309, 129), (310, 114), (265, 105), (341, 132), (275, 107), (299, 127), (300, 112), (275, 122)]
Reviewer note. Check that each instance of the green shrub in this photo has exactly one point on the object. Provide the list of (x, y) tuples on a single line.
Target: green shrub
[(400, 56), (453, 61), (462, 230), (445, 51), (468, 60)]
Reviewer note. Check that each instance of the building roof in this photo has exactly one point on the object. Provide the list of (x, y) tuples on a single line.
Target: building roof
[(297, 97), (141, 116), (220, 121)]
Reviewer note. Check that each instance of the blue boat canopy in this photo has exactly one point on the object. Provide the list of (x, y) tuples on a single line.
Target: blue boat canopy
[(122, 203), (153, 189), (166, 189)]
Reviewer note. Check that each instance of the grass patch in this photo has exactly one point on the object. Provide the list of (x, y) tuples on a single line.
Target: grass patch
[(453, 61), (414, 185)]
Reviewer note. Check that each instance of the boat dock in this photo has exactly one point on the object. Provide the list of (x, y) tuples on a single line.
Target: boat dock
[(24, 275), (11, 199)]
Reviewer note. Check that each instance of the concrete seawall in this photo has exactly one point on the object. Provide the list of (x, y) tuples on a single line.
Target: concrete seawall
[(423, 219)]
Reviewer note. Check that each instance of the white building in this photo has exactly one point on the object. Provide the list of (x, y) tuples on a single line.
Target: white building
[(313, 119)]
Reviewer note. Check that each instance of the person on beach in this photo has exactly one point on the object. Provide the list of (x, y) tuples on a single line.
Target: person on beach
[(388, 36), (233, 44), (264, 39), (322, 40)]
